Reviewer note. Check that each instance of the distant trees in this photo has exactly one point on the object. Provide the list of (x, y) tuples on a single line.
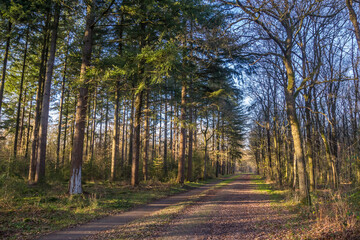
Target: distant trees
[(305, 50), (144, 73)]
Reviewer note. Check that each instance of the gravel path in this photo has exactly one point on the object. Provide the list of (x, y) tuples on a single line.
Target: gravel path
[(236, 211)]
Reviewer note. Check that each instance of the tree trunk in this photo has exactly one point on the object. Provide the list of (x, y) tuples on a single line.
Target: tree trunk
[(61, 107), (147, 136), (106, 125), (115, 142), (65, 130), (181, 163), (28, 131), (309, 144), (40, 166), (20, 95), (21, 141), (295, 131), (218, 145), (190, 153), (87, 128), (136, 145), (7, 47), (165, 136), (39, 96), (78, 145), (123, 140), (131, 129), (160, 127), (269, 148), (353, 19), (205, 158), (93, 130), (171, 131)]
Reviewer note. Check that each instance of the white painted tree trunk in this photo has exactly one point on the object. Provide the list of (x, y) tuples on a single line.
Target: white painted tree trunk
[(75, 182)]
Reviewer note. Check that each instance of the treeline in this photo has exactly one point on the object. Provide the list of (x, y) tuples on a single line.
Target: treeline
[(305, 91), (118, 90)]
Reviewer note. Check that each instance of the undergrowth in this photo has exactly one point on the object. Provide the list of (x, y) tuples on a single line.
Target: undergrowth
[(332, 215), (26, 211)]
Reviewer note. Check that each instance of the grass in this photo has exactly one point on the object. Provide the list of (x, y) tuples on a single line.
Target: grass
[(276, 195), (333, 215), (26, 211)]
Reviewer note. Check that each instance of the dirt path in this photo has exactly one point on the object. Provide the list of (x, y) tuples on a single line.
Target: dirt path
[(110, 222), (237, 211)]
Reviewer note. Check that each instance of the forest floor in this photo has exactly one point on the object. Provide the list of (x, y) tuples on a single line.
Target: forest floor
[(28, 211), (242, 208)]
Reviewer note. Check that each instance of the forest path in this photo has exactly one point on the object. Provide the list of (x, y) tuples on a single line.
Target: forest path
[(111, 222), (236, 211)]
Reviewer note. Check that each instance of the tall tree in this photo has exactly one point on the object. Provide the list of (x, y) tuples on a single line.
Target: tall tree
[(81, 109), (40, 166)]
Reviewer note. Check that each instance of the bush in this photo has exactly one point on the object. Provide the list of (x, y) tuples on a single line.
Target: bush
[(12, 187)]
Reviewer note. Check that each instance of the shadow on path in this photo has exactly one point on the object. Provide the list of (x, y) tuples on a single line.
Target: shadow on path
[(111, 222)]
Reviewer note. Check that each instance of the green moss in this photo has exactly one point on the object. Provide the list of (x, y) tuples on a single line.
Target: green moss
[(275, 195)]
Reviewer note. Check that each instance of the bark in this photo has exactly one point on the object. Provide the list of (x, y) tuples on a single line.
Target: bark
[(309, 144), (28, 131), (153, 150), (123, 140), (40, 166), (206, 143), (78, 144), (93, 129), (115, 145), (353, 19), (39, 95), (20, 95), (205, 159), (269, 147), (106, 125), (190, 153), (277, 153), (65, 130), (72, 129), (295, 131), (87, 128), (165, 136), (171, 132), (147, 136), (131, 129), (115, 141), (61, 107), (3, 77), (160, 127), (174, 139), (136, 144), (218, 145), (126, 135), (21, 141), (181, 163)]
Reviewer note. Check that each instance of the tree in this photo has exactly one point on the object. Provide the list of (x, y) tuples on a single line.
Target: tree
[(40, 166)]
